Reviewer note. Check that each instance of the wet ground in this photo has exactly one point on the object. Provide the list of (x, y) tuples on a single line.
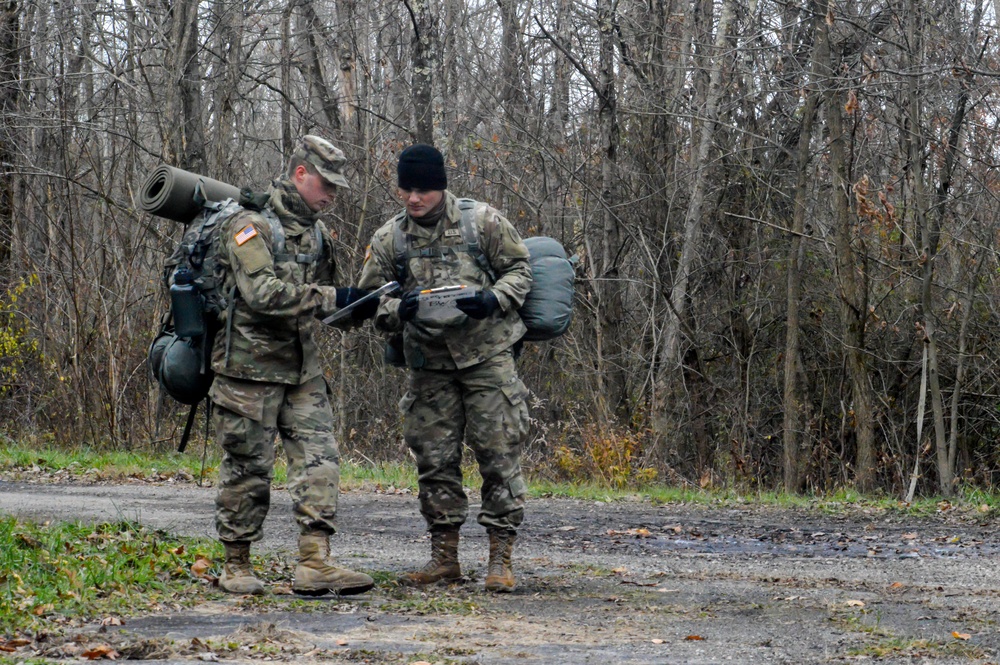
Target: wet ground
[(626, 582)]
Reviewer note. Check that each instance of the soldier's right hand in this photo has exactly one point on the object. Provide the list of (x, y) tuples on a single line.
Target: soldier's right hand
[(408, 305), (348, 294)]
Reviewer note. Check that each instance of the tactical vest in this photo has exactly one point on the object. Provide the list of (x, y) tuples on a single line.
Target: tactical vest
[(547, 310)]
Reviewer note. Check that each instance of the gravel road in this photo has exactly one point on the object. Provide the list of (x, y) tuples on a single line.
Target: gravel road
[(623, 582)]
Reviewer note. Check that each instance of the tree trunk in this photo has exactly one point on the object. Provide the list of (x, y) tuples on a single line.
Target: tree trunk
[(678, 315), (285, 66), (424, 59), (850, 271), (609, 288), (930, 235), (692, 219), (320, 52), (186, 137), (793, 430), (10, 86), (347, 69)]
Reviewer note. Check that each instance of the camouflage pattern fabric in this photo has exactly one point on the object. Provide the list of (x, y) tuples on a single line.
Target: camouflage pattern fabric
[(268, 376), (248, 416), (460, 342), (463, 383), (271, 337), (487, 404), (328, 159)]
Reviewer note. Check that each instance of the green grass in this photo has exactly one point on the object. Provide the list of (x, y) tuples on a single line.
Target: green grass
[(917, 648), (29, 463), (53, 577)]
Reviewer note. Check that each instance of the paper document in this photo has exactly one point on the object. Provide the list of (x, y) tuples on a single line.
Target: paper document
[(438, 304)]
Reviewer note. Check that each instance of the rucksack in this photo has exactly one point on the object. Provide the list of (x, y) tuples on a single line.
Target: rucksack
[(197, 252), (547, 310), (181, 365)]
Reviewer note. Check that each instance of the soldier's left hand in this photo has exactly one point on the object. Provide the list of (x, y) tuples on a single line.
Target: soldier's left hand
[(478, 306), (365, 310)]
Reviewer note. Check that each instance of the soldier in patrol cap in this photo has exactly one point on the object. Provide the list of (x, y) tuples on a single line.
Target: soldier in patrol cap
[(463, 385), (268, 376)]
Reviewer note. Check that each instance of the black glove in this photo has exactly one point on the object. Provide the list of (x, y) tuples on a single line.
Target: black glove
[(408, 305), (365, 310), (348, 294), (478, 306)]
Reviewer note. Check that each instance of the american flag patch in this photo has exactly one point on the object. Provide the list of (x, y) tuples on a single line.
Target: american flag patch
[(244, 235)]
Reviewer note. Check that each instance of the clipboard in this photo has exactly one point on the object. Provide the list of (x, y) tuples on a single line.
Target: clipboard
[(344, 312)]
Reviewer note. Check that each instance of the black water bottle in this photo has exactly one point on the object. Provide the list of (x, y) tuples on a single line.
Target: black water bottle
[(188, 305)]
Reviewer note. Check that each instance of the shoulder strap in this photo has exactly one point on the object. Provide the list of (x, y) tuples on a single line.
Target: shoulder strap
[(470, 234), (399, 246), (278, 235)]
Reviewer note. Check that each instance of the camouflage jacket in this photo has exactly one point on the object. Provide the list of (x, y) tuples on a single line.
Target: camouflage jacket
[(459, 341), (271, 335)]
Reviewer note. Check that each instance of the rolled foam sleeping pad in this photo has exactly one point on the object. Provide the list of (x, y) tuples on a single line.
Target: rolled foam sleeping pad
[(169, 192)]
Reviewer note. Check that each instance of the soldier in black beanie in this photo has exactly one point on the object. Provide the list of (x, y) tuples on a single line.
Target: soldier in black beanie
[(463, 384)]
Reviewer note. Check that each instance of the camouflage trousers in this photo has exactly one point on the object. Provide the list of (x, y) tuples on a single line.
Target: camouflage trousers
[(248, 416), (486, 406)]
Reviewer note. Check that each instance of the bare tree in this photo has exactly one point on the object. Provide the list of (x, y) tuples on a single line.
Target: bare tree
[(10, 77)]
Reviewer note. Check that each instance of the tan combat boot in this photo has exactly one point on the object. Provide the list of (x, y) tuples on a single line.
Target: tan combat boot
[(499, 573), (316, 574), (237, 573), (443, 566)]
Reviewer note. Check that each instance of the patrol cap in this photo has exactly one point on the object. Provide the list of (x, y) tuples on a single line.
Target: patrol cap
[(328, 159)]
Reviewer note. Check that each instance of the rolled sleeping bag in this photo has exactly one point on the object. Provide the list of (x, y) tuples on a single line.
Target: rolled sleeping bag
[(547, 310), (169, 192)]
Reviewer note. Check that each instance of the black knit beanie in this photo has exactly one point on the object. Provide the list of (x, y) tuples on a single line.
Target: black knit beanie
[(421, 166)]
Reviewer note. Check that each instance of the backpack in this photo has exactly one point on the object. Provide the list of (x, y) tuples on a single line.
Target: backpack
[(547, 310), (181, 363)]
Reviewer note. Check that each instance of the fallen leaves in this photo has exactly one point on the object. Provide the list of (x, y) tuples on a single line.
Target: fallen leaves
[(960, 636), (12, 645), (200, 567), (43, 609), (100, 651), (694, 638), (635, 533)]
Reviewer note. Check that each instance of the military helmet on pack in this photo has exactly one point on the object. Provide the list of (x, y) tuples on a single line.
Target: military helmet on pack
[(181, 371), (155, 355)]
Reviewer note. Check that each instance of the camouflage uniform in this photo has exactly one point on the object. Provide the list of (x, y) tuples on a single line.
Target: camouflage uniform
[(462, 382), (268, 376)]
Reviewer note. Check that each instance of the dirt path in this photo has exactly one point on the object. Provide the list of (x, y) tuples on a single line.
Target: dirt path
[(599, 583)]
